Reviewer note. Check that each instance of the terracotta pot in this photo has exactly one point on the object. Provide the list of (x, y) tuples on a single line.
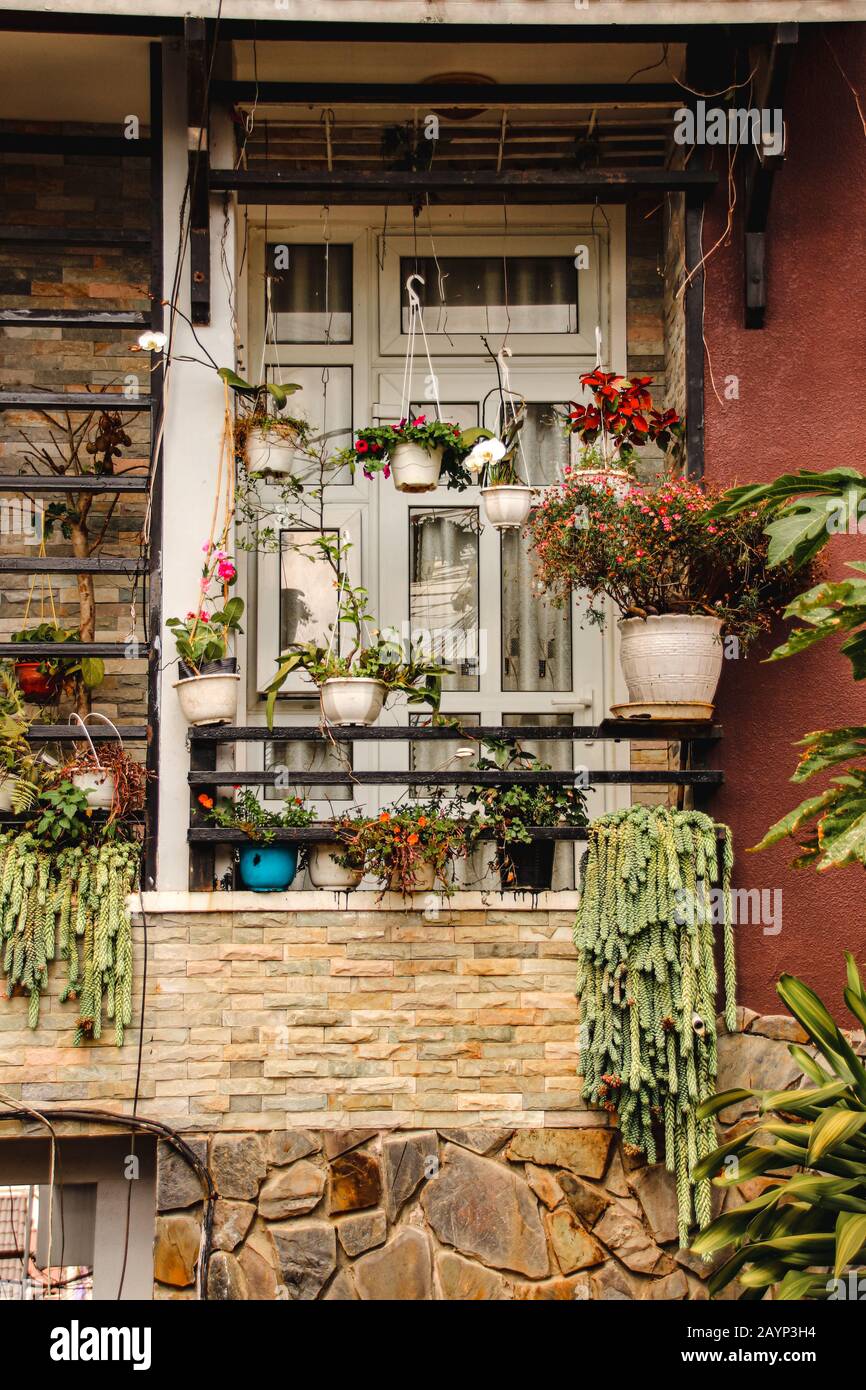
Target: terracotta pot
[(415, 469), (36, 685), (352, 699), (508, 506), (675, 658)]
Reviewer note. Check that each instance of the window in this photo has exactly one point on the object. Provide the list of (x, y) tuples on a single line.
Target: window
[(443, 589), (308, 600), (310, 292), (493, 294)]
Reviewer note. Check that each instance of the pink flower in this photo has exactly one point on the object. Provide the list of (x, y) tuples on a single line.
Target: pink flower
[(420, 419), (226, 571), (207, 547), (386, 471)]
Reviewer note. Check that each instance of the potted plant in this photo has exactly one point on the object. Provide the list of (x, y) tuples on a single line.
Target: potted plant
[(207, 688), (112, 780), (505, 498), (265, 867), (524, 864), (44, 679), (353, 688), (415, 452), (13, 736), (268, 440), (679, 577), (620, 420), (338, 866), (409, 848)]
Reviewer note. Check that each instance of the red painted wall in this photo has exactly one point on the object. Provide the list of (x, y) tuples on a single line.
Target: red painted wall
[(789, 415)]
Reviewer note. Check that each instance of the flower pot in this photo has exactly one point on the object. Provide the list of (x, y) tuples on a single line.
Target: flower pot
[(415, 469), (425, 879), (506, 507), (211, 699), (268, 868), (270, 452), (99, 786), (352, 699), (615, 480), (225, 666), (526, 868), (325, 872), (7, 791), (675, 658), (36, 685)]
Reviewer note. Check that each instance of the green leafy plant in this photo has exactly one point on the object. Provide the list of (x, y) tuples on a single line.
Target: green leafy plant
[(808, 1224), (259, 399), (62, 815), (395, 845), (383, 657), (659, 551), (257, 821), (62, 670), (371, 451), (647, 984), (204, 635)]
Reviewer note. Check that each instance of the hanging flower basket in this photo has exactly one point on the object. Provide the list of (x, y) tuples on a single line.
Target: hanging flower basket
[(506, 507), (270, 451), (38, 685), (415, 468)]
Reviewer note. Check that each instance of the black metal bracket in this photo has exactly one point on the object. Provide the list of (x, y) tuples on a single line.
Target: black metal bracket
[(198, 123), (759, 175)]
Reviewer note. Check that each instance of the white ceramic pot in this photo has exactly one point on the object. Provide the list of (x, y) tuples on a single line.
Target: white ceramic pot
[(415, 469), (7, 791), (506, 507), (211, 699), (352, 699), (615, 480), (325, 872), (674, 659), (99, 787), (270, 453), (425, 879)]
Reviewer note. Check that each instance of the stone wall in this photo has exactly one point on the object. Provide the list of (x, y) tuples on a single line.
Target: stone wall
[(456, 1213)]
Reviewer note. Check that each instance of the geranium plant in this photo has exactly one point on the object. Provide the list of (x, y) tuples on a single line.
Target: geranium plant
[(401, 841), (245, 812), (373, 446), (203, 635), (659, 552), (620, 420)]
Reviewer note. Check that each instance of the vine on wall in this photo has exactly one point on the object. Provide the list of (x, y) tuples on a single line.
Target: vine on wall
[(653, 881)]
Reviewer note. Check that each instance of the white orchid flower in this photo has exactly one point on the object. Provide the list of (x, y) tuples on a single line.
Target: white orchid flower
[(484, 453), (152, 342)]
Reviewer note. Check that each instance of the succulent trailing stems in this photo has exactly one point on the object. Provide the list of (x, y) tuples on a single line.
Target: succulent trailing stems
[(647, 983)]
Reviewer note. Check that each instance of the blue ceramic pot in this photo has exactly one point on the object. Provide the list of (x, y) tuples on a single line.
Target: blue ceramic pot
[(268, 868)]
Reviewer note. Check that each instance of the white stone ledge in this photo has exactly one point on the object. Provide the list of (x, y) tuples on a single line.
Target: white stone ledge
[(322, 901)]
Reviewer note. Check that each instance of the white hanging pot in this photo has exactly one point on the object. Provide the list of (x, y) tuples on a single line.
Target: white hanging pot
[(270, 452), (615, 480), (325, 872), (99, 786), (210, 699), (506, 507), (672, 659), (7, 791), (352, 699), (414, 468)]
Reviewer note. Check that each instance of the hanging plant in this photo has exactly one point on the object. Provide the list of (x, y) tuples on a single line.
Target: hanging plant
[(652, 889)]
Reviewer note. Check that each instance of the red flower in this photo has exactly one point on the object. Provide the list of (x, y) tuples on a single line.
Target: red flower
[(361, 446)]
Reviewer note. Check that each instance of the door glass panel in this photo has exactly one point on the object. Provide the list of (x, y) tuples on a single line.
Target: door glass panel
[(308, 595), (324, 401), (293, 755), (493, 294), (443, 590), (311, 292), (536, 636)]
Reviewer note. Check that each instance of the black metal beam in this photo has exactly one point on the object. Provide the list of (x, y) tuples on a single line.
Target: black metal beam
[(74, 318), (100, 146), (68, 564), (153, 607), (617, 730), (197, 45), (597, 94), (758, 178), (73, 236), (206, 838), (525, 185), (30, 651), (100, 733), (459, 777), (30, 483), (73, 400)]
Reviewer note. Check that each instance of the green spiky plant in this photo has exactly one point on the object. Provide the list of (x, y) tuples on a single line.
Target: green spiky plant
[(809, 1224), (647, 983)]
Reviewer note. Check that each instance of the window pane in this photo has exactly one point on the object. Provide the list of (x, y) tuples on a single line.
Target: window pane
[(536, 637), (443, 589), (429, 755), (493, 294), (311, 292), (297, 756), (308, 596), (326, 405)]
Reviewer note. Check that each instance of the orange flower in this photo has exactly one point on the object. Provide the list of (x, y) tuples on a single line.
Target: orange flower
[(413, 839), (206, 801), (384, 816), (422, 821)]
